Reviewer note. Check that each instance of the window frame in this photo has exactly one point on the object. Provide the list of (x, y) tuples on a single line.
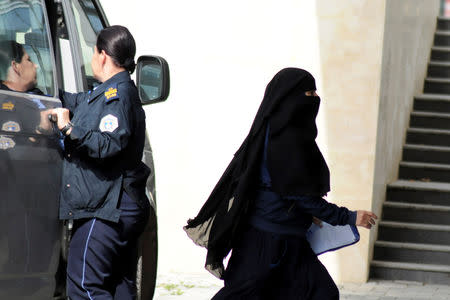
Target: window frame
[(52, 52), (75, 43)]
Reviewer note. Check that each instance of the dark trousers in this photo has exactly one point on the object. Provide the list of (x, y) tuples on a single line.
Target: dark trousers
[(103, 255), (267, 266)]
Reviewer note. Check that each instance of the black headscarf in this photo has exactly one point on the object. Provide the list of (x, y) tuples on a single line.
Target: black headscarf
[(295, 164)]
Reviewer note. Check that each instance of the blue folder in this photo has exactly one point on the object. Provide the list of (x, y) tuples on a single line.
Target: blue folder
[(331, 238)]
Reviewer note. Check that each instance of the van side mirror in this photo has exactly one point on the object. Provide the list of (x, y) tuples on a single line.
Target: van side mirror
[(153, 79)]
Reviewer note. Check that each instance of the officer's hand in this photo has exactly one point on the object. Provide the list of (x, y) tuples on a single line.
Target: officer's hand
[(63, 116), (44, 122), (365, 218)]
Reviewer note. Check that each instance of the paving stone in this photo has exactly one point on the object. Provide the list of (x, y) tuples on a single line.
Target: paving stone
[(407, 292), (365, 288), (352, 286), (408, 283), (440, 297), (355, 297), (371, 283), (178, 286), (443, 290), (388, 284), (361, 297), (380, 288), (421, 289)]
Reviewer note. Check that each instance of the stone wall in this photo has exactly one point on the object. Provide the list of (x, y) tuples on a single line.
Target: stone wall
[(373, 56)]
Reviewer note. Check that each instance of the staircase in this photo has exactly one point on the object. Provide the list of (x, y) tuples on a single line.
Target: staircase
[(414, 231)]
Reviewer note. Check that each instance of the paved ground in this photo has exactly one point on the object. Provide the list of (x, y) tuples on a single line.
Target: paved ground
[(178, 286)]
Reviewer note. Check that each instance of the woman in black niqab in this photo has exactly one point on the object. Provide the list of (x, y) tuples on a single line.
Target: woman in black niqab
[(266, 199)]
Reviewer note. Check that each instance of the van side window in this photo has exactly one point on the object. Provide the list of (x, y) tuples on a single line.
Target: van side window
[(89, 24), (24, 45)]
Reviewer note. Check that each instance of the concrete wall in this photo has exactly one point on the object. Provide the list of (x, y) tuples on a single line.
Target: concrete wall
[(222, 55), (408, 37)]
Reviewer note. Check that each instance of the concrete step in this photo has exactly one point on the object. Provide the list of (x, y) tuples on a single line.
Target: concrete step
[(432, 103), (426, 153), (442, 38), (432, 193), (440, 53), (436, 86), (414, 234), (412, 253), (403, 232), (416, 213), (387, 270), (426, 136), (439, 69), (443, 23), (432, 120), (424, 171)]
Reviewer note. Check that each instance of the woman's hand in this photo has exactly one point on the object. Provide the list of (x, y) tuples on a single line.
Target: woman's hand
[(318, 222), (63, 115), (365, 219)]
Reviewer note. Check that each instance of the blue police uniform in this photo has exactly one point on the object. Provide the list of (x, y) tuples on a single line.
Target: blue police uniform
[(103, 189)]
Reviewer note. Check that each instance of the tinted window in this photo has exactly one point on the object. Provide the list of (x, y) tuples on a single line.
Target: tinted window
[(23, 22)]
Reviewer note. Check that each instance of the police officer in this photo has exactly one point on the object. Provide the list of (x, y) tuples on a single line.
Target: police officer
[(103, 176)]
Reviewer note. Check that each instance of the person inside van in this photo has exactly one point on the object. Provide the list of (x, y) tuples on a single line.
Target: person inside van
[(17, 69), (18, 73)]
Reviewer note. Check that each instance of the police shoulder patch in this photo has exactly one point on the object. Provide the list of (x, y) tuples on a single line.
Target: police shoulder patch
[(109, 123), (111, 93)]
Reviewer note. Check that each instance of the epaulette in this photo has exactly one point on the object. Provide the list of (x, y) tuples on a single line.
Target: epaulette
[(111, 93), (7, 105)]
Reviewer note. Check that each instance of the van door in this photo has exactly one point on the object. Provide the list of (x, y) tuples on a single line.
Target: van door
[(30, 154)]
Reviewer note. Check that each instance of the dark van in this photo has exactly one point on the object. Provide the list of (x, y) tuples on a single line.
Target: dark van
[(58, 36)]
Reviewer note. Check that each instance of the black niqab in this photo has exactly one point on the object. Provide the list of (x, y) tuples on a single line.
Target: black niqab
[(295, 164)]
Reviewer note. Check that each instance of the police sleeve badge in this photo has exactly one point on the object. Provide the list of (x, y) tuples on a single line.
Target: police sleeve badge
[(109, 123), (11, 126), (6, 143)]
